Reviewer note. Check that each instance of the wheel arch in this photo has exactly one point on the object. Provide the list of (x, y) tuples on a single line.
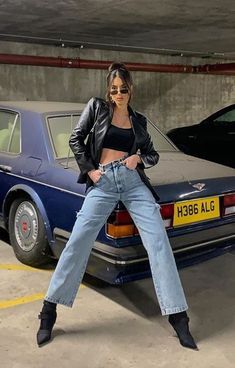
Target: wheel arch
[(21, 190)]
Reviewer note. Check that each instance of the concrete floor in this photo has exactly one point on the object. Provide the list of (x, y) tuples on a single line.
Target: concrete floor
[(117, 327)]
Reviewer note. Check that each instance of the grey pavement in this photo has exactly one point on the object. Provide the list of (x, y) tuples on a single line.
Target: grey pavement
[(117, 327)]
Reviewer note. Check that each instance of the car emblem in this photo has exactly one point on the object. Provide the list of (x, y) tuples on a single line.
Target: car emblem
[(199, 186)]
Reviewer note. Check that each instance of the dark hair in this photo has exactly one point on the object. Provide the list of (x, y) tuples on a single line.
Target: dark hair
[(118, 70)]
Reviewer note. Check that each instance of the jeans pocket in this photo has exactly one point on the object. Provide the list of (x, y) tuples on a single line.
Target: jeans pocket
[(131, 170)]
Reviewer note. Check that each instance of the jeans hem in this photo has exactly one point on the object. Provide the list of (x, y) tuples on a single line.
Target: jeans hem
[(166, 311), (58, 301)]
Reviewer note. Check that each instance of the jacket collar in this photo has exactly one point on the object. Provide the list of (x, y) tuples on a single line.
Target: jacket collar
[(132, 112)]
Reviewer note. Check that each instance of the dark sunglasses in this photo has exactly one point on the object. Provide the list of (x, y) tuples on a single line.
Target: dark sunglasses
[(123, 91)]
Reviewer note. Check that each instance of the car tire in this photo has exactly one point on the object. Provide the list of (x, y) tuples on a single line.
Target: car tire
[(27, 232)]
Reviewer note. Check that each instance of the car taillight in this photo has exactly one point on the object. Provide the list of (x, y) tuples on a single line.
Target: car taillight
[(167, 212), (120, 225), (228, 204)]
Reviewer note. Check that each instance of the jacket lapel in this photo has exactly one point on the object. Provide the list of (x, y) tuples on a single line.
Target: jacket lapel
[(104, 121), (134, 124)]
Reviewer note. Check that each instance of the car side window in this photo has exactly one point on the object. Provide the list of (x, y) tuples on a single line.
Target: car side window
[(60, 128), (228, 117), (8, 122), (14, 146)]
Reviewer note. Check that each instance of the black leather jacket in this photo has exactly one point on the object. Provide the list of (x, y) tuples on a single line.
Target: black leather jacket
[(93, 123)]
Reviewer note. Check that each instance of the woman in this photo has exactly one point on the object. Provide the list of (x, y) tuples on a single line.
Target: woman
[(112, 163)]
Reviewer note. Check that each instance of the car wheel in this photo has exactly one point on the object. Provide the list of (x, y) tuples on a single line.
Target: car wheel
[(27, 232)]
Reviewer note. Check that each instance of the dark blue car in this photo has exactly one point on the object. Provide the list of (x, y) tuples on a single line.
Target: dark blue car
[(40, 196)]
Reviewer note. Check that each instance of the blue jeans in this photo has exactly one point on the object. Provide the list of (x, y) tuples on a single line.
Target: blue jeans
[(118, 183)]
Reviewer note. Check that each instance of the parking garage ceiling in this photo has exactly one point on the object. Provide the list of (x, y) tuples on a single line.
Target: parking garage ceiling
[(193, 27)]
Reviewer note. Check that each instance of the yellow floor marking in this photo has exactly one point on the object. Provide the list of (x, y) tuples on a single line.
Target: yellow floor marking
[(24, 300), (20, 267)]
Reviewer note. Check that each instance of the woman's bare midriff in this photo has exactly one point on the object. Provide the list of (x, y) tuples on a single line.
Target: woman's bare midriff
[(109, 155)]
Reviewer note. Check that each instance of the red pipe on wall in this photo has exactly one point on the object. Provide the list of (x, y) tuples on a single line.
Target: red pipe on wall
[(59, 62), (216, 68), (87, 64)]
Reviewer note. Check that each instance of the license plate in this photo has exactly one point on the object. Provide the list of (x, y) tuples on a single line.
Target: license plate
[(197, 210)]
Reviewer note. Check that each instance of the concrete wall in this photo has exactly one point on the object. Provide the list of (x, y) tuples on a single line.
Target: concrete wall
[(169, 99)]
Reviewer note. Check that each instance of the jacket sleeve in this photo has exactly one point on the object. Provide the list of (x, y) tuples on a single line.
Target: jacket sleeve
[(148, 154), (79, 134)]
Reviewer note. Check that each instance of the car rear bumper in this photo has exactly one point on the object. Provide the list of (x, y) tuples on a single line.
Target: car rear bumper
[(203, 237), (118, 265)]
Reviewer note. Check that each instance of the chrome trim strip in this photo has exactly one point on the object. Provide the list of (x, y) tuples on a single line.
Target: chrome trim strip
[(205, 243), (48, 185), (113, 261)]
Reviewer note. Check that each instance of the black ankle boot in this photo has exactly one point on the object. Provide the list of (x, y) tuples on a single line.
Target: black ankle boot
[(48, 317), (179, 321)]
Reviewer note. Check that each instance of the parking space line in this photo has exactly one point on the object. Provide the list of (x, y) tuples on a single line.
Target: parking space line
[(23, 300), (20, 267)]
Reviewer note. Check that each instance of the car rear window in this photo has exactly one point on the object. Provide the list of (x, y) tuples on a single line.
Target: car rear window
[(60, 129), (160, 142)]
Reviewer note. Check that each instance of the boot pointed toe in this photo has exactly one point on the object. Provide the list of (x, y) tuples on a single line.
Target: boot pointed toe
[(180, 323), (43, 336), (188, 342), (47, 322)]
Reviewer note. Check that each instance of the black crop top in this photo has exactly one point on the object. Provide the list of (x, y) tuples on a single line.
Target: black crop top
[(120, 139)]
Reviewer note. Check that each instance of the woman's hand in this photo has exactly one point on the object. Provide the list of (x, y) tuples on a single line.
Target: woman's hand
[(132, 161), (95, 175)]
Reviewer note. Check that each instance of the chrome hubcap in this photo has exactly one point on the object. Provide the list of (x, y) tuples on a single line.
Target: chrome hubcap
[(26, 226)]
